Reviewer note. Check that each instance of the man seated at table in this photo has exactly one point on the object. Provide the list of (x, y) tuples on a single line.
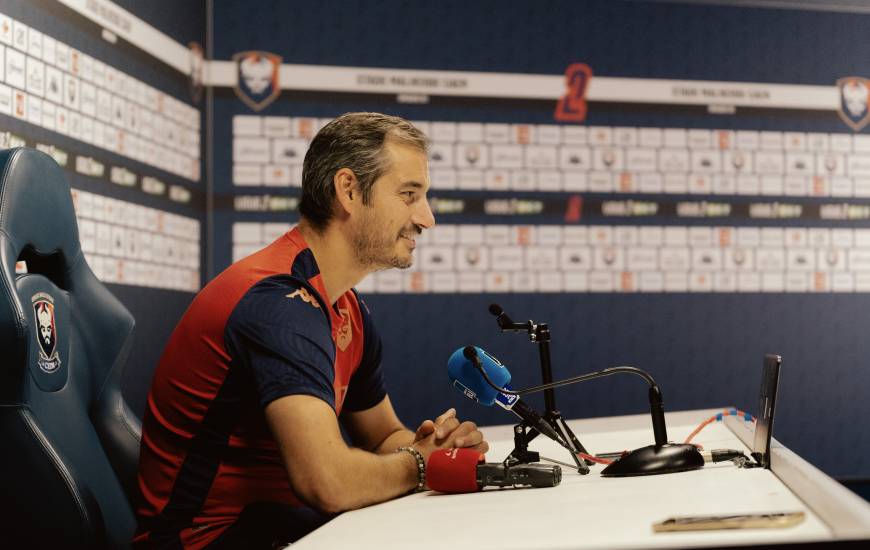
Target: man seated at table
[(241, 445)]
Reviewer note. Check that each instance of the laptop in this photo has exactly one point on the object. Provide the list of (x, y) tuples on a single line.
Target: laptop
[(766, 408)]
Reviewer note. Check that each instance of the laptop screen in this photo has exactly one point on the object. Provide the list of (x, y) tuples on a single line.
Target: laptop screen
[(766, 408)]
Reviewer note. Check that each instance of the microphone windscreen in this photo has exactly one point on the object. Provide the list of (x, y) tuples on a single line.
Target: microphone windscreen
[(453, 470), (468, 379)]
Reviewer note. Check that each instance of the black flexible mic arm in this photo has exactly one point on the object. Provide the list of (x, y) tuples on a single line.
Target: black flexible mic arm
[(657, 410)]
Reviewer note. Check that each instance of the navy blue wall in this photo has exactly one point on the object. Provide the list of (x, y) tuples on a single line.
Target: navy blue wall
[(704, 349)]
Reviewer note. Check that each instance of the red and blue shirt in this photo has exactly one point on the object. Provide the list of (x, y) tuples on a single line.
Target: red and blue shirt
[(261, 330)]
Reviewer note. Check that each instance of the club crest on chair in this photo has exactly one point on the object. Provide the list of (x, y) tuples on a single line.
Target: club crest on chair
[(43, 311)]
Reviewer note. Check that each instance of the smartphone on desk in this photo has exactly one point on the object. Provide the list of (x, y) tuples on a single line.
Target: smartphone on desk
[(736, 521)]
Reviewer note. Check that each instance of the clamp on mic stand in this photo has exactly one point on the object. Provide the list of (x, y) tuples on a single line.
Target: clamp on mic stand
[(540, 334)]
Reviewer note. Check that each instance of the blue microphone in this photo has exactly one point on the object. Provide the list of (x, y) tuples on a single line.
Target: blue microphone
[(466, 377), (467, 368)]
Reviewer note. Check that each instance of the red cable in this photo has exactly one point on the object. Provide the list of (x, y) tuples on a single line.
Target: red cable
[(714, 418), (596, 459), (703, 425)]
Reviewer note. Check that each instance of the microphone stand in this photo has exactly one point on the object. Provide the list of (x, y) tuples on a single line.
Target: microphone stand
[(523, 434), (662, 457)]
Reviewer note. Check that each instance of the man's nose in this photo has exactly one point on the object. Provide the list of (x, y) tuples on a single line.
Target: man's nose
[(423, 216)]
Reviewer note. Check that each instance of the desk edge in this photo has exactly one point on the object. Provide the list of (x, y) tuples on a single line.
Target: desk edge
[(845, 513)]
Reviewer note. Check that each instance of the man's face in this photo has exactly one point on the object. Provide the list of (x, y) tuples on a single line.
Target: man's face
[(384, 232)]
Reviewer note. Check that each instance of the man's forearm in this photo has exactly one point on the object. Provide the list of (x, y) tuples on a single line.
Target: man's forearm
[(365, 478), (399, 438), (327, 474)]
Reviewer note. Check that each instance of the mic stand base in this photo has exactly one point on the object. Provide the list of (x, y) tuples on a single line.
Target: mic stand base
[(554, 418), (656, 459), (521, 454)]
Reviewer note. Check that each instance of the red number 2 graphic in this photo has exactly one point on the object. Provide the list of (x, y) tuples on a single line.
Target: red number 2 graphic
[(572, 105)]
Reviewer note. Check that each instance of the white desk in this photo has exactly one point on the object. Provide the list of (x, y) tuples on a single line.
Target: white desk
[(589, 511)]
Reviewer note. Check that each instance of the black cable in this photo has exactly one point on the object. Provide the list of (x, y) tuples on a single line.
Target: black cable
[(721, 455)]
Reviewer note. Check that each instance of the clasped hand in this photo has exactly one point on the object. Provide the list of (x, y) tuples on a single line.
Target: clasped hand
[(447, 432)]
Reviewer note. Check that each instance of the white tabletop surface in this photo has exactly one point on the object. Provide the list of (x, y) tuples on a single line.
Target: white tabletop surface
[(584, 511)]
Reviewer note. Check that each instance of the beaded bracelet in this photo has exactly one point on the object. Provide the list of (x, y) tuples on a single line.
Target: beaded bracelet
[(421, 467)]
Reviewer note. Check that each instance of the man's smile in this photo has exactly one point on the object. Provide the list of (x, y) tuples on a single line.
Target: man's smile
[(410, 240)]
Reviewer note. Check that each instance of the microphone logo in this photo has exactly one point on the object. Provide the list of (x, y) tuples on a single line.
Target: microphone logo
[(469, 393), (505, 400)]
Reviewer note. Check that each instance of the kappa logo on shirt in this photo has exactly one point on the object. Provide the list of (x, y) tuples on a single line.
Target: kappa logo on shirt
[(344, 333), (306, 297)]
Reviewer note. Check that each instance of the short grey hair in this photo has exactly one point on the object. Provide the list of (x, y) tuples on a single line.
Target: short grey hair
[(355, 141)]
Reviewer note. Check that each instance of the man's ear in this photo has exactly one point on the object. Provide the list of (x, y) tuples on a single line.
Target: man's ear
[(347, 194)]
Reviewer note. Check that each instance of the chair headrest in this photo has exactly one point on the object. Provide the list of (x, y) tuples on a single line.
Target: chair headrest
[(36, 208)]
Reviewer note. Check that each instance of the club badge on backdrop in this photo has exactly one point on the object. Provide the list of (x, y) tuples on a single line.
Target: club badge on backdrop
[(258, 82), (43, 310), (854, 94), (197, 63)]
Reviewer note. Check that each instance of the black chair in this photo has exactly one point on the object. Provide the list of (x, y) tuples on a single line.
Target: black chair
[(69, 444)]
